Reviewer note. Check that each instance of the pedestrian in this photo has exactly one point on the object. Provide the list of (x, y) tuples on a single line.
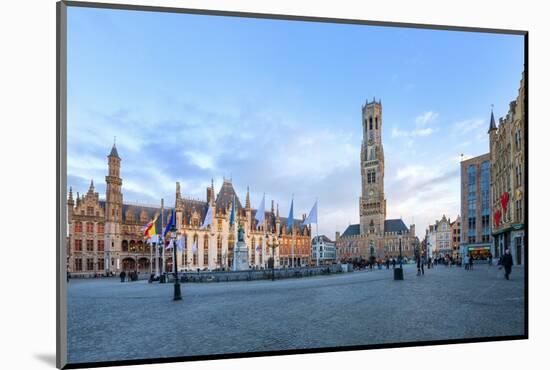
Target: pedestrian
[(387, 263), (122, 276), (393, 262), (418, 262), (471, 260), (422, 264), (466, 262), (490, 259), (507, 262)]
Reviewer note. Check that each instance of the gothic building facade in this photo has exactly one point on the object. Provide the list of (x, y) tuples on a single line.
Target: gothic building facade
[(507, 155), (106, 235), (374, 235)]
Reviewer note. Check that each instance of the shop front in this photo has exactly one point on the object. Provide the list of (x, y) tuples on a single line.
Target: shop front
[(479, 252)]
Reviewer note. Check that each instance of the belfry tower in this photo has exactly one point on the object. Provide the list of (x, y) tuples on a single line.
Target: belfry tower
[(372, 204), (113, 208)]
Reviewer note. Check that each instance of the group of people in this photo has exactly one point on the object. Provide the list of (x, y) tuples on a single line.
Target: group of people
[(130, 276)]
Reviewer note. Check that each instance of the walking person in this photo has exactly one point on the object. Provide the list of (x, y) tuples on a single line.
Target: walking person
[(507, 262), (122, 276), (466, 262), (471, 260)]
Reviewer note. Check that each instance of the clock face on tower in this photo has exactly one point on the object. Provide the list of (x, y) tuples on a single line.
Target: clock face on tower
[(371, 192)]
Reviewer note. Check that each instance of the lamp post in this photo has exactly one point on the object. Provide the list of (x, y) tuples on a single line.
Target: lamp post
[(398, 272), (177, 288), (273, 245)]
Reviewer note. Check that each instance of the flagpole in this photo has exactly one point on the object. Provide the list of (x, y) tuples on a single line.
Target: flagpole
[(162, 228), (317, 228)]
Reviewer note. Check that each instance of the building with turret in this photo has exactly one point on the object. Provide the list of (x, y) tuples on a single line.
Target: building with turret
[(374, 235), (507, 154), (106, 235)]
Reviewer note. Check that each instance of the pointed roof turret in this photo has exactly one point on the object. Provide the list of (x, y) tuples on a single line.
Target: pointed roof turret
[(247, 202), (114, 152), (492, 125), (91, 189), (71, 195)]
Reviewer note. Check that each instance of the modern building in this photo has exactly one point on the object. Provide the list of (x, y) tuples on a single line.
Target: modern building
[(326, 248), (455, 237), (106, 235), (507, 153), (475, 238), (375, 235)]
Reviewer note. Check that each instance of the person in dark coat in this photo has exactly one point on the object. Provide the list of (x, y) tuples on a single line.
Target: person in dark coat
[(122, 276), (507, 263)]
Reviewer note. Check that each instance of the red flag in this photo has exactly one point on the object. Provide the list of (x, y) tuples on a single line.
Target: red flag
[(504, 201)]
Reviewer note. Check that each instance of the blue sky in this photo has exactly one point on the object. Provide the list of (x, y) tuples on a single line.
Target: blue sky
[(276, 105)]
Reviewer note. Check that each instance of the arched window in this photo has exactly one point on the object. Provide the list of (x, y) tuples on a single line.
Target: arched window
[(219, 250), (125, 245), (376, 122), (78, 227), (370, 123)]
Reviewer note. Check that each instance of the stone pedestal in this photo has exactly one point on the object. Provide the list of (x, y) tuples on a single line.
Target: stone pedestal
[(240, 257)]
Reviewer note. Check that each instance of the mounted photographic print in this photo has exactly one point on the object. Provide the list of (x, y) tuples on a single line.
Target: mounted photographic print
[(234, 184)]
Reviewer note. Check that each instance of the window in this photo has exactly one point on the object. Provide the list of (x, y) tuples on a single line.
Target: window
[(78, 245), (101, 228), (519, 211), (518, 140), (78, 227), (518, 175), (371, 176), (205, 252), (90, 211), (219, 248), (101, 264), (89, 227), (376, 122), (370, 123), (90, 245), (100, 245), (78, 264), (89, 264)]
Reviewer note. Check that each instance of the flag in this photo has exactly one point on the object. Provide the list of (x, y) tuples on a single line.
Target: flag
[(290, 219), (151, 228), (312, 217), (194, 247), (260, 214), (207, 219), (153, 239), (258, 248), (169, 245), (171, 222), (181, 244), (232, 217)]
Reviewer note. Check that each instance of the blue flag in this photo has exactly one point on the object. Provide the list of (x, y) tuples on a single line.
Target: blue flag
[(290, 220), (232, 217), (170, 223), (312, 217)]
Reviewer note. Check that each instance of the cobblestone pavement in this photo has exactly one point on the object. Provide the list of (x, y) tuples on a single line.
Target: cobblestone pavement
[(109, 320)]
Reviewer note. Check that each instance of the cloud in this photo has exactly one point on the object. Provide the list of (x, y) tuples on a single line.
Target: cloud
[(426, 118), (420, 129), (468, 125)]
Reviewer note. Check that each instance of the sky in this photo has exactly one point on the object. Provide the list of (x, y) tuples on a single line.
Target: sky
[(276, 106)]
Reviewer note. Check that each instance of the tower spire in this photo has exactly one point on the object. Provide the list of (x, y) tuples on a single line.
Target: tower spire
[(91, 189), (492, 125), (247, 203), (71, 194)]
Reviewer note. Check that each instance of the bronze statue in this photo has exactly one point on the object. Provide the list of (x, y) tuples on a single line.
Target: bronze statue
[(241, 233)]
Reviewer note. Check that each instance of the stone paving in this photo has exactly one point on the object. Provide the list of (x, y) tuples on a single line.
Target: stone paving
[(109, 320)]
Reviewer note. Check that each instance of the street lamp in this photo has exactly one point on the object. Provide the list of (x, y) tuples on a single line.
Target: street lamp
[(273, 245), (177, 288), (398, 272)]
